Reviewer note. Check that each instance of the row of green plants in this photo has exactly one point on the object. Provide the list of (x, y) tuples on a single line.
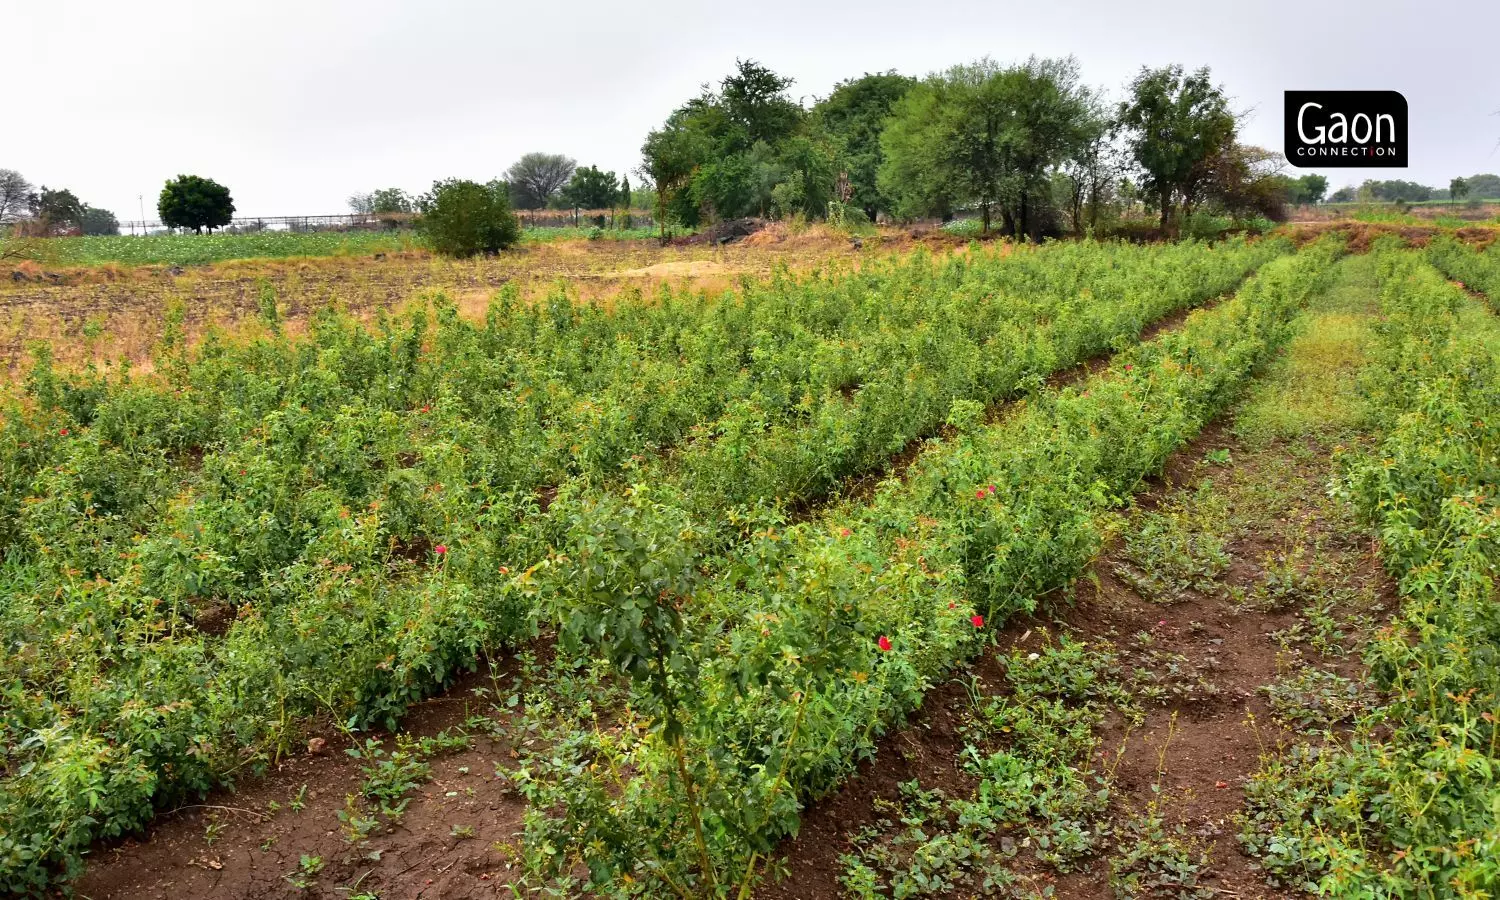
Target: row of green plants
[(764, 673), (1474, 269), (1406, 805), (196, 561)]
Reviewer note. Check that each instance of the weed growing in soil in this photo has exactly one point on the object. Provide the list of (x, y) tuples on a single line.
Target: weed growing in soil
[(1179, 547), (1313, 698)]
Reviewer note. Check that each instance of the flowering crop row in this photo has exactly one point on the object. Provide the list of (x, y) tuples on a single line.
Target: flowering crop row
[(764, 674), (1408, 807), (194, 562)]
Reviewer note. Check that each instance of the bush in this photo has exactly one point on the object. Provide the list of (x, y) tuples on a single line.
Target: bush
[(1205, 226), (462, 218)]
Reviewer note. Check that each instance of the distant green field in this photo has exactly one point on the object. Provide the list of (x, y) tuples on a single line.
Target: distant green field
[(199, 249)]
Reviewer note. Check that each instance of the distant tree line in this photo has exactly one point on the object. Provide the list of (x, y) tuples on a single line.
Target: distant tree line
[(1473, 187), (1027, 147)]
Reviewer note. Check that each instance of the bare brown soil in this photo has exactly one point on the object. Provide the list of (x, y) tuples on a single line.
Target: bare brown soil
[(235, 845)]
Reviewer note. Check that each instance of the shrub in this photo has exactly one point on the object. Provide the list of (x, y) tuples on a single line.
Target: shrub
[(462, 218)]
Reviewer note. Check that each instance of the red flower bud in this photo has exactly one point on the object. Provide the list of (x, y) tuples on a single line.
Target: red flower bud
[(884, 643), (978, 621), (440, 549)]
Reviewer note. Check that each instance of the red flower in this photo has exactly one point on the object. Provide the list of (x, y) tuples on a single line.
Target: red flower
[(64, 432), (952, 605), (1128, 367), (440, 549), (977, 621), (992, 490), (845, 533), (979, 494), (884, 644), (426, 408)]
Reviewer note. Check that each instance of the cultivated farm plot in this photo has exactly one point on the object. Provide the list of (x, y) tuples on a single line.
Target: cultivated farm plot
[(861, 582)]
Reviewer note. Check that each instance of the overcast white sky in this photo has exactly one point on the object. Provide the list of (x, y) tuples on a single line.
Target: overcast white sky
[(296, 105)]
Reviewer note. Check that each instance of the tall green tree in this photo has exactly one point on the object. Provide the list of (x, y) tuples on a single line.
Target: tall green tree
[(1458, 189), (757, 106), (55, 211), (986, 137), (591, 188), (853, 117), (191, 201), (724, 153), (383, 200), (1307, 189), (1178, 123), (1090, 175)]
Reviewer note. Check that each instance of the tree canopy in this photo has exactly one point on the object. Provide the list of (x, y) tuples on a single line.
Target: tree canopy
[(98, 222), (536, 178), (591, 188), (1306, 189), (853, 117), (985, 136), (191, 201), (1178, 124), (382, 200), (55, 211), (745, 149)]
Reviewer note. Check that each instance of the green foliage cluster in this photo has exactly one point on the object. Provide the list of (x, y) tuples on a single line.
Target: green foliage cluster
[(591, 188), (192, 201), (1028, 144), (1474, 270), (198, 560), (745, 149), (1406, 808), (987, 137), (192, 250), (466, 218), (791, 681)]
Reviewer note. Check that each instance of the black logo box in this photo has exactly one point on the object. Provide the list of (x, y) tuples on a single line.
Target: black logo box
[(1345, 129)]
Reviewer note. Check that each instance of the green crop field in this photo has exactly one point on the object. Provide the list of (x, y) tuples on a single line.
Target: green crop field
[(202, 249), (691, 561)]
